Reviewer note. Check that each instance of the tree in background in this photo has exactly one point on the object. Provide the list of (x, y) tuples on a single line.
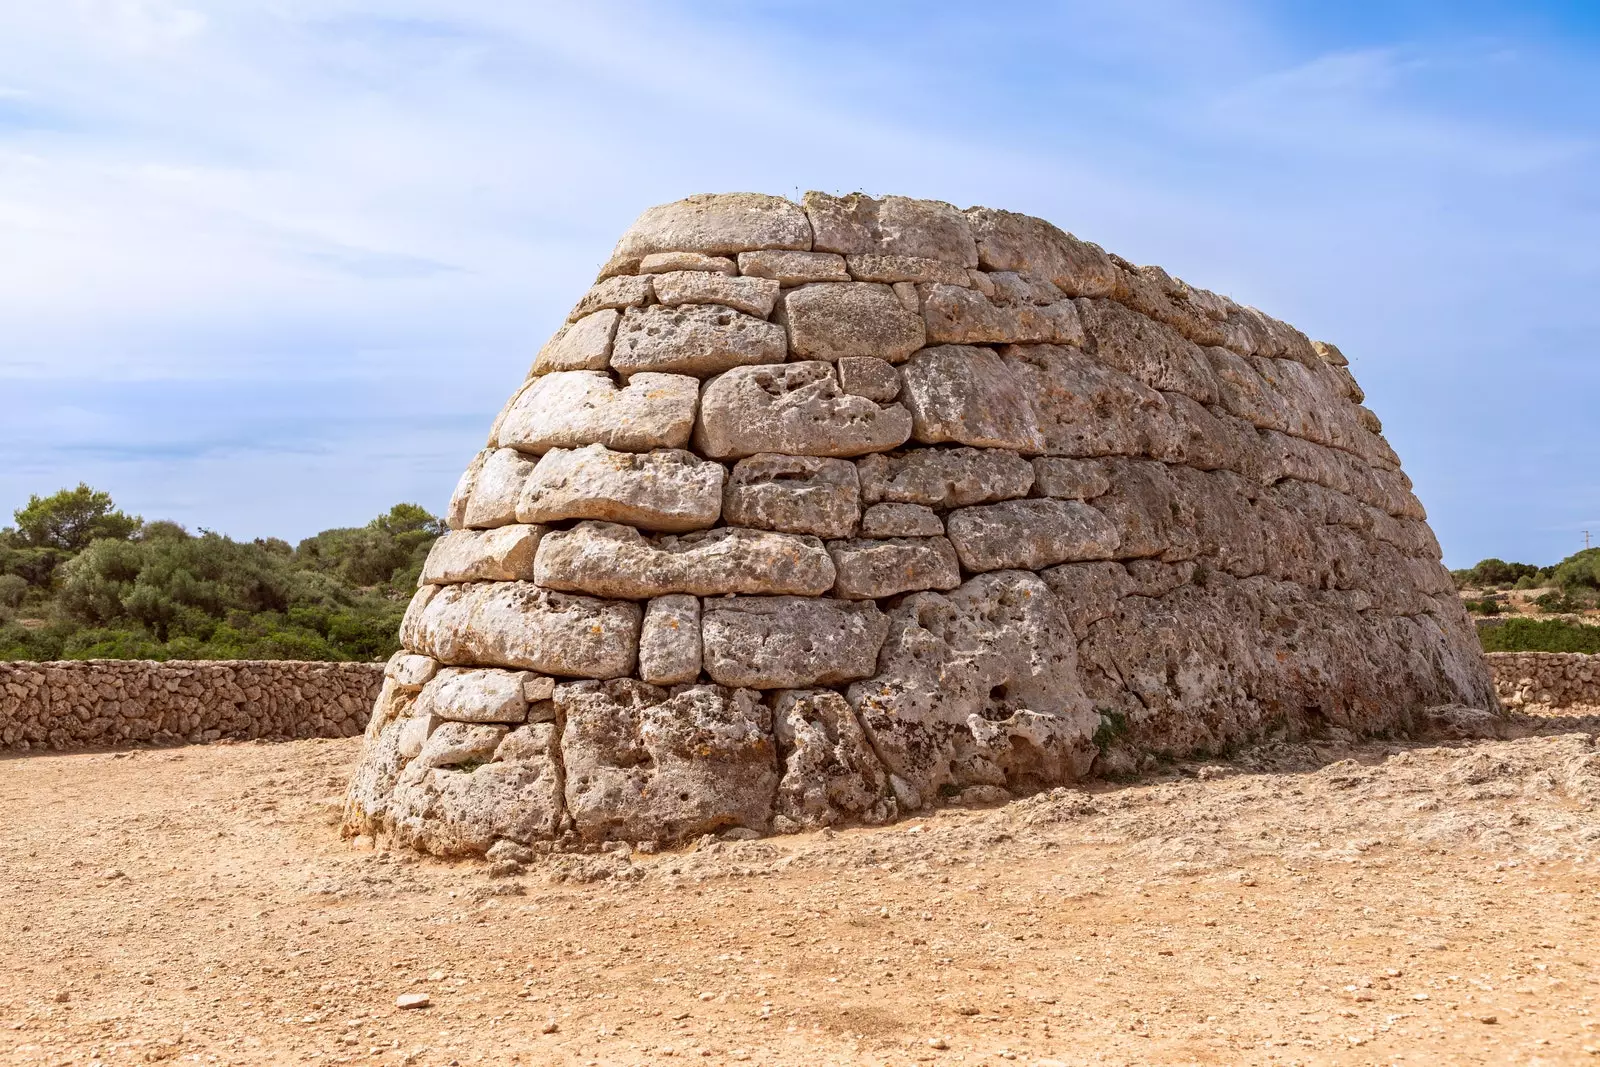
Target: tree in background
[(70, 519), (79, 579)]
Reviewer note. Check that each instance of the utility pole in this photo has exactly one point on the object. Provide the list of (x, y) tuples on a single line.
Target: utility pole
[(1586, 540)]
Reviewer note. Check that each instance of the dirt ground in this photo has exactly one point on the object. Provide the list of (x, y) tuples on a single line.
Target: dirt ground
[(1332, 904)]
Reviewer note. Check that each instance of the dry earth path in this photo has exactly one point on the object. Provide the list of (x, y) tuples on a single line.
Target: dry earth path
[(1330, 903)]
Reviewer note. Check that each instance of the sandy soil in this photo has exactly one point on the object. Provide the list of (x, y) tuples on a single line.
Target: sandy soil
[(1334, 903)]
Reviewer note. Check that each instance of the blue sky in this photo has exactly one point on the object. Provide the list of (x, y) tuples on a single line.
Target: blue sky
[(268, 268)]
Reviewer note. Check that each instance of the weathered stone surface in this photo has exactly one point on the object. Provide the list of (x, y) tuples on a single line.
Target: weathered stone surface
[(581, 345), (868, 569), (754, 296), (627, 291), (786, 642), (830, 773), (455, 513), (609, 560), (1008, 241), (1088, 592), (957, 315), (795, 494), (1029, 534), (669, 644), (831, 320), (796, 409), (869, 376), (717, 224), (794, 268), (1084, 408), (1142, 505), (666, 262), (944, 477), (503, 554), (643, 765), (669, 490), (409, 672), (1148, 351), (570, 409), (1069, 479), (896, 225), (979, 686), (901, 520), (484, 696), (890, 269), (517, 624), (492, 499), (463, 807), (697, 339), (968, 396)]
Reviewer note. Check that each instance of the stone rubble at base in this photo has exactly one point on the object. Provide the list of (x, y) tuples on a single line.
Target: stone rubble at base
[(820, 513)]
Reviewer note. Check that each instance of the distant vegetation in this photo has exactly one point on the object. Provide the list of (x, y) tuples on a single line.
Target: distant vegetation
[(1571, 587), (80, 579), (1539, 635)]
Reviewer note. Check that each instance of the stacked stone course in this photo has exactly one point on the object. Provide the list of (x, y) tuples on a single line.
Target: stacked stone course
[(1558, 679), (822, 512), (93, 703)]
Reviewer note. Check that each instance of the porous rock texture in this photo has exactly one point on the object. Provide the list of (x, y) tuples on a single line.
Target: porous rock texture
[(826, 512)]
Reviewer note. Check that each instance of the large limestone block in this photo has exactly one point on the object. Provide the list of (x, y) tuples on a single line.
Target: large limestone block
[(670, 490), (517, 624), (613, 294), (869, 376), (605, 559), (1143, 506), (667, 262), (581, 345), (831, 320), (669, 644), (455, 513), (643, 765), (496, 485), (794, 268), (797, 409), (1085, 408), (1153, 293), (503, 554), (717, 224), (795, 494), (944, 477), (1069, 479), (753, 296), (869, 569), (1008, 241), (901, 520), (968, 396), (1088, 592), (957, 315), (464, 808), (891, 269), (1029, 534), (830, 773), (979, 686), (484, 696), (1148, 351), (786, 642), (570, 409), (697, 339), (409, 672), (896, 225)]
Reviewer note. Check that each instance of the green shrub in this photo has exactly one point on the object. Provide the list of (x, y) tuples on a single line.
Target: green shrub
[(1487, 606), (1539, 635)]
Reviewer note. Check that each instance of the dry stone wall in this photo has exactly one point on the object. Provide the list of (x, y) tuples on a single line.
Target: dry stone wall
[(826, 512), (91, 703), (1558, 679)]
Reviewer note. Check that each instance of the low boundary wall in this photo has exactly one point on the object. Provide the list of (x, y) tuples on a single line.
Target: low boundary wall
[(91, 703), (1560, 679)]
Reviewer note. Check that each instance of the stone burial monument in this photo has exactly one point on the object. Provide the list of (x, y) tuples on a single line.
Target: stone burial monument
[(828, 512)]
